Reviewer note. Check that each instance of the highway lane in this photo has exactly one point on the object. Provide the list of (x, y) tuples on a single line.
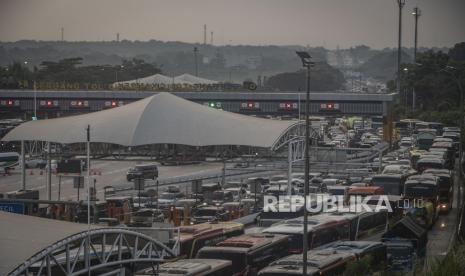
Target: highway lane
[(441, 237), (106, 173)]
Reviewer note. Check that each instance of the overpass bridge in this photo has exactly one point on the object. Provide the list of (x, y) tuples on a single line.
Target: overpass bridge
[(51, 104)]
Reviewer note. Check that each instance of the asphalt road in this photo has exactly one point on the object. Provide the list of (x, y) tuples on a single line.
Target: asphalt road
[(441, 237), (106, 173)]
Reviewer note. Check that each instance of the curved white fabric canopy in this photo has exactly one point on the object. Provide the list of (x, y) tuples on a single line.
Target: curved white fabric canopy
[(165, 80), (189, 79), (154, 79), (159, 119)]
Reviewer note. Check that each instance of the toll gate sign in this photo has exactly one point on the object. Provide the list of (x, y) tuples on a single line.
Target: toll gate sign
[(12, 207)]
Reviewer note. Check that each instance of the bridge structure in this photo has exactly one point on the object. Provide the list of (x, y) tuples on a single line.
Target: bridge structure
[(50, 104), (38, 246)]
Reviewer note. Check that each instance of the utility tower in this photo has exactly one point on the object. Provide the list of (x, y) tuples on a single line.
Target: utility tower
[(205, 34)]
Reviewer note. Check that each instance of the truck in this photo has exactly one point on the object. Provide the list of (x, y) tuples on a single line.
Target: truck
[(425, 139)]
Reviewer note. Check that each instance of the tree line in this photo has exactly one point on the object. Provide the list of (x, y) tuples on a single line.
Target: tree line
[(71, 70), (435, 77)]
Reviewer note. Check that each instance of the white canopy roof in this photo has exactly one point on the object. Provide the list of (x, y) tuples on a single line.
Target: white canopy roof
[(159, 119), (189, 79), (162, 79), (154, 79)]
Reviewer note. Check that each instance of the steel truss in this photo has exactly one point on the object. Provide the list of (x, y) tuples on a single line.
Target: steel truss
[(96, 249), (295, 131)]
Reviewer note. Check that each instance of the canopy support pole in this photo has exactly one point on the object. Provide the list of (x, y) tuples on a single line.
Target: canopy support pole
[(23, 166), (87, 260), (49, 172), (289, 169)]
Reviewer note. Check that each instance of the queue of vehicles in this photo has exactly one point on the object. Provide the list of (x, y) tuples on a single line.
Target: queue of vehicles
[(213, 242), (395, 239)]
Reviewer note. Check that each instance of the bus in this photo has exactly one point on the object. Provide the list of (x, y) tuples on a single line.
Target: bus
[(267, 217), (320, 262), (392, 184), (366, 191), (194, 237), (436, 128), (321, 230), (248, 253), (430, 163), (364, 225), (425, 138), (191, 267), (377, 122), (446, 188), (396, 204), (425, 187), (447, 147), (415, 155), (8, 160), (406, 126), (376, 250)]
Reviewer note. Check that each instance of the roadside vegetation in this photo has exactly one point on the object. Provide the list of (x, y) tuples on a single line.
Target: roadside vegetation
[(434, 77), (452, 264)]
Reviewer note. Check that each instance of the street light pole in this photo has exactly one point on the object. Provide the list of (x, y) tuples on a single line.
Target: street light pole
[(24, 72), (401, 4), (416, 13), (195, 61), (35, 101), (307, 63)]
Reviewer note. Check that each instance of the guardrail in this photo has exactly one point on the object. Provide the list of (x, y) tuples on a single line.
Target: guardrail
[(179, 180), (362, 157)]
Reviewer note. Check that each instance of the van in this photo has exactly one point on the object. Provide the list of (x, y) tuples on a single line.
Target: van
[(147, 171)]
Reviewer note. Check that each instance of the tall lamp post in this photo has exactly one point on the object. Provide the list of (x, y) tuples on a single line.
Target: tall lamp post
[(306, 63), (195, 61), (24, 72), (416, 13), (121, 67), (401, 4)]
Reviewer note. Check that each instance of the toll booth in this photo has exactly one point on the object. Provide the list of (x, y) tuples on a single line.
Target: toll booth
[(235, 209), (25, 208), (185, 207), (120, 208), (208, 189)]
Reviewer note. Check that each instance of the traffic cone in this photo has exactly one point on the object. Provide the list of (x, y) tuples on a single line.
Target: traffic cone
[(41, 172), (31, 172)]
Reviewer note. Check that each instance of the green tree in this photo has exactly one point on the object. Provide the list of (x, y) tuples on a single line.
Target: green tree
[(323, 78)]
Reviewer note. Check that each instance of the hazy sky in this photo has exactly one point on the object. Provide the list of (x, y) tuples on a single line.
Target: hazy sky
[(282, 22)]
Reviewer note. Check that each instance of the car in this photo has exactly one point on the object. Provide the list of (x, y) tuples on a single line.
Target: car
[(147, 171), (35, 163), (332, 182), (451, 129), (53, 165), (241, 165), (168, 199), (207, 213), (359, 184)]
